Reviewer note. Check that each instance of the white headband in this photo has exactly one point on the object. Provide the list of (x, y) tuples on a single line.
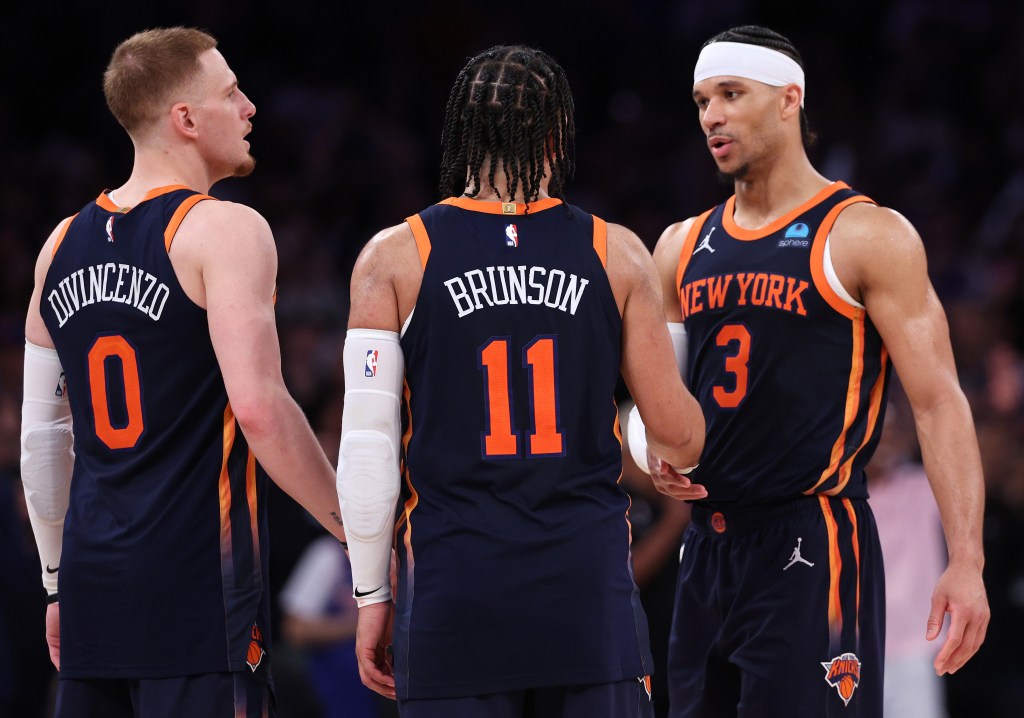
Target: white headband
[(753, 62)]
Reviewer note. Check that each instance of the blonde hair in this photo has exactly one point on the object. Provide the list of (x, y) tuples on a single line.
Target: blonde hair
[(147, 68)]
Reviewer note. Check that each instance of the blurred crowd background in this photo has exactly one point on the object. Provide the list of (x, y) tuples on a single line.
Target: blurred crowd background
[(917, 103)]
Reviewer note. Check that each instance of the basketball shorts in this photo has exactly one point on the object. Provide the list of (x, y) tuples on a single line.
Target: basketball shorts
[(624, 699), (780, 612), (210, 695)]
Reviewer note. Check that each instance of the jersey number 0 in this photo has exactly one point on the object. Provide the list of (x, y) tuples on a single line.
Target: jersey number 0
[(115, 347)]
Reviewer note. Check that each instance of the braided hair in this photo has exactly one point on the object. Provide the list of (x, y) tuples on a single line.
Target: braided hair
[(764, 37), (510, 107)]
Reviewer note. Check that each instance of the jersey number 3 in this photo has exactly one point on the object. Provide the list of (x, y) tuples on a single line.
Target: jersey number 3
[(735, 364), (500, 440), (115, 347)]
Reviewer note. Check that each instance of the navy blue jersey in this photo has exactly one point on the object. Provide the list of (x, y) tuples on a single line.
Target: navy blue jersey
[(792, 379), (163, 571), (514, 540)]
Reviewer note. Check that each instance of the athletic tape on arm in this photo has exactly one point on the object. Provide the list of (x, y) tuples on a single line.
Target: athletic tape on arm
[(368, 480), (47, 455)]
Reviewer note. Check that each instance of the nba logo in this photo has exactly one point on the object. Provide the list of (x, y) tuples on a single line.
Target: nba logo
[(370, 369), (511, 235), (110, 229)]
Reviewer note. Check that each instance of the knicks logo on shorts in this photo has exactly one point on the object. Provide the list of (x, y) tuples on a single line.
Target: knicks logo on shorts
[(254, 656), (843, 674)]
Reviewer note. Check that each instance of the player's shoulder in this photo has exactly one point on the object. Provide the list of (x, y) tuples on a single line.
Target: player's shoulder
[(870, 228), (671, 241), (49, 247), (391, 251), (231, 228), (625, 240), (56, 235), (389, 238), (226, 215)]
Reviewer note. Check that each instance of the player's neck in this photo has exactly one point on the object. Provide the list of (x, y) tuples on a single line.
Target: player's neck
[(768, 192), (499, 192), (487, 194), (158, 168)]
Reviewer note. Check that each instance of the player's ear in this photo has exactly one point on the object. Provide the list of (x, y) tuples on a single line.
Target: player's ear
[(791, 97), (183, 119)]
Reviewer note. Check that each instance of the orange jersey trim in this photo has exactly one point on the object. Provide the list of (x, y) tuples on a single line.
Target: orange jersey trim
[(414, 497), (106, 203), (747, 235), (617, 430), (688, 246), (852, 398), (60, 235), (818, 260), (179, 215), (509, 208), (224, 490), (835, 567), (250, 495), (601, 240), (874, 408), (419, 231)]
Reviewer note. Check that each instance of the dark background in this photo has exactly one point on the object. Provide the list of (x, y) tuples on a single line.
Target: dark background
[(917, 103)]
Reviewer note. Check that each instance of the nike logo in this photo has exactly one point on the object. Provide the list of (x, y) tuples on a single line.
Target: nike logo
[(359, 594), (52, 570)]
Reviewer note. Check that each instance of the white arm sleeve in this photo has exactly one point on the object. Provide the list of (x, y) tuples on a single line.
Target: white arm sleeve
[(47, 455), (636, 431), (368, 480)]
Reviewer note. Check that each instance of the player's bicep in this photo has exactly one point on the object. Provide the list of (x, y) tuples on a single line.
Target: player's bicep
[(239, 274), (35, 329), (666, 259), (903, 306), (648, 361), (388, 266)]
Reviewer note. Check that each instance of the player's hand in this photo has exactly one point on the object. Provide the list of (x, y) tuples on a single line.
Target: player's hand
[(960, 592), (672, 483), (373, 641), (53, 633)]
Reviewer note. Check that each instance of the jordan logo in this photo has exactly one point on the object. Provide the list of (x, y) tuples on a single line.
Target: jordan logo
[(796, 557), (706, 242)]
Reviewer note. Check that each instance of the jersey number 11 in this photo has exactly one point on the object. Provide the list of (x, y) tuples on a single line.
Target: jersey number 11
[(500, 440)]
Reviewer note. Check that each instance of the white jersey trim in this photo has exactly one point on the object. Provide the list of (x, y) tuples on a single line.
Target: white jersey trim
[(408, 319), (833, 278)]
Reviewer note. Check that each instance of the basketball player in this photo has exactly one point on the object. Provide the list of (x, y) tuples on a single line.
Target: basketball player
[(798, 294), (152, 346), (507, 315)]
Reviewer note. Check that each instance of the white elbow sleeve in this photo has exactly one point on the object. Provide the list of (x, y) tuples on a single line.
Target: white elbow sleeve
[(677, 330), (47, 455), (368, 475)]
